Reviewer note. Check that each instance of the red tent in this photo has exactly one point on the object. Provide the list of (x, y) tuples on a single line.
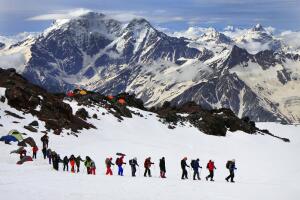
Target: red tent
[(70, 94), (122, 101)]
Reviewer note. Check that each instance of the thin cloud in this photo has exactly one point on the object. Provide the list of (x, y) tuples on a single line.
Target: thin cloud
[(157, 16), (60, 14)]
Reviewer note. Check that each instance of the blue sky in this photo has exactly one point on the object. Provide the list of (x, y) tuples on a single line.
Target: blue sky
[(35, 15)]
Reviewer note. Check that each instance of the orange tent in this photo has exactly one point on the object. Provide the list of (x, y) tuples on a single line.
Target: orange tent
[(110, 97), (122, 101)]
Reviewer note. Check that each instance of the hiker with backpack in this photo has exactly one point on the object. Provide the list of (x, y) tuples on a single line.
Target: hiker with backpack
[(119, 163), (93, 168), (133, 163), (147, 165), (49, 155), (230, 165), (66, 163), (109, 163), (44, 151), (34, 151), (183, 167), (72, 163), (77, 161), (211, 167), (56, 160), (45, 140), (87, 164), (195, 166), (162, 167)]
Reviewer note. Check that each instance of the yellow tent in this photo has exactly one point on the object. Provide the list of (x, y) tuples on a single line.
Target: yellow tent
[(82, 92), (16, 134)]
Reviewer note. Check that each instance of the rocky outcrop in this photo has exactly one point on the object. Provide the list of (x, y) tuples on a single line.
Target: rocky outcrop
[(27, 97), (212, 122)]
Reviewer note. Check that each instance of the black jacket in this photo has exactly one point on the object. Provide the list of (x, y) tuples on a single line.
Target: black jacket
[(77, 160), (162, 165), (183, 164), (65, 160), (133, 163), (45, 138)]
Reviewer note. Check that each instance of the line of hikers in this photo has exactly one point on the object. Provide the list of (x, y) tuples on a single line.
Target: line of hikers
[(55, 159), (195, 165)]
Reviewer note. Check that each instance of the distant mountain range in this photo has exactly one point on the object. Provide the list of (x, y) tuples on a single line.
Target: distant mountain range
[(255, 73)]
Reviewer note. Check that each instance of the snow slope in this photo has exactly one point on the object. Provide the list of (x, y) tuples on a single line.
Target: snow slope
[(267, 167)]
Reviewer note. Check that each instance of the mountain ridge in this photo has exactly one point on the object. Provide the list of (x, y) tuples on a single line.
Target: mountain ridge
[(102, 54)]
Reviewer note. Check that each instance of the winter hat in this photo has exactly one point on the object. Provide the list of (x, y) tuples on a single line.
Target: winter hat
[(134, 158), (233, 160)]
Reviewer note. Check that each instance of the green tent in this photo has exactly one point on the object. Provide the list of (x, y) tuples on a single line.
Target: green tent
[(16, 134)]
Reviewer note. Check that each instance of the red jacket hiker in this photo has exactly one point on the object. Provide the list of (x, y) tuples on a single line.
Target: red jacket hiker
[(34, 151), (72, 163), (211, 166), (148, 163)]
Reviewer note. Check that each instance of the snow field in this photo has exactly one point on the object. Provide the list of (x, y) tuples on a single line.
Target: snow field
[(267, 167)]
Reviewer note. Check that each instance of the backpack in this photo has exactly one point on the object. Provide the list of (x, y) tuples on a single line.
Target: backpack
[(118, 161), (107, 161), (131, 162), (193, 163), (146, 163), (228, 164)]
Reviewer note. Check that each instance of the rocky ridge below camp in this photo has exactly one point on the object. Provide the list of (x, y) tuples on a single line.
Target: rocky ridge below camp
[(57, 113)]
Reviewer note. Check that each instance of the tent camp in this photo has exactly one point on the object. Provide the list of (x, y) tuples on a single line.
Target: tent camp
[(24, 159), (16, 134), (8, 138)]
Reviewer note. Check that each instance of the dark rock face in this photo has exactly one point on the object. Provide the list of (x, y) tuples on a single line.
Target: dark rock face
[(34, 123), (30, 128), (238, 56), (13, 114), (2, 45), (82, 113), (212, 122), (25, 96)]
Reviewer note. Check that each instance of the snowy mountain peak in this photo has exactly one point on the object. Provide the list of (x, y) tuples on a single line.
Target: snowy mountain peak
[(258, 27), (139, 24), (92, 15), (213, 35)]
